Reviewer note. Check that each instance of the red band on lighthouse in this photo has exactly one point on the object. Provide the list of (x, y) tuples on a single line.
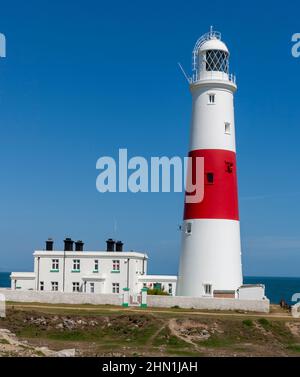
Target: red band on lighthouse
[(220, 186)]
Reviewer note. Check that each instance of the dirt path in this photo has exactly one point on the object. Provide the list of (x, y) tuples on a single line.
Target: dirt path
[(173, 328), (150, 340), (149, 310)]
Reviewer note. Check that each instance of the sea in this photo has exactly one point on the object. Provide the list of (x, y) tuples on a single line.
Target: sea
[(277, 288)]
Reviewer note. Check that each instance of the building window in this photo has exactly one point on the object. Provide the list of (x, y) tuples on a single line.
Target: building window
[(54, 286), (115, 288), (96, 266), (188, 228), (55, 264), (229, 166), (207, 289), (76, 265), (157, 286), (144, 285), (76, 287), (227, 128), (210, 178), (211, 99), (170, 289), (92, 287), (42, 286), (116, 265)]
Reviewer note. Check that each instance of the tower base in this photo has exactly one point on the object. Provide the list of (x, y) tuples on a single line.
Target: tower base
[(210, 258)]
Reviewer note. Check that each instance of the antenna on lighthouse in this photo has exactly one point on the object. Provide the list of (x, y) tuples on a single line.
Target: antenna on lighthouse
[(188, 79)]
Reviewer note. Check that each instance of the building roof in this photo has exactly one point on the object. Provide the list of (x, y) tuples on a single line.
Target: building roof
[(157, 278), (23, 275), (83, 254)]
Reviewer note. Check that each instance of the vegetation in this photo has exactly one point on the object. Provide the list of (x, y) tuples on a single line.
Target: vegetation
[(112, 331), (248, 322), (157, 291)]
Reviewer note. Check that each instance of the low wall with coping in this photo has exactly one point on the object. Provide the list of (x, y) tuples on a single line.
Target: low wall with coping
[(61, 298), (262, 306)]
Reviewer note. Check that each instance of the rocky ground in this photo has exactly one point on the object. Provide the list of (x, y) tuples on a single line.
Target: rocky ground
[(11, 346), (56, 331)]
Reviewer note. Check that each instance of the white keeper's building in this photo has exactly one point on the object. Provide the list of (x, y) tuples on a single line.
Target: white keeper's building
[(75, 270)]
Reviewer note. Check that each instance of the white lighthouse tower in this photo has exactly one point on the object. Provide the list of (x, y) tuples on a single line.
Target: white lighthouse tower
[(210, 263)]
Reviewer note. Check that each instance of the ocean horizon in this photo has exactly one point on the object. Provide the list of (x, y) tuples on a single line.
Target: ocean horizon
[(277, 288)]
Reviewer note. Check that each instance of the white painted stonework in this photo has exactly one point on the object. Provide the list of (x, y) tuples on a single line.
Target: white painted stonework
[(205, 255), (90, 272)]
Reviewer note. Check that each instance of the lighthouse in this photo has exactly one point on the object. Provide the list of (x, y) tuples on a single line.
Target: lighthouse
[(210, 261)]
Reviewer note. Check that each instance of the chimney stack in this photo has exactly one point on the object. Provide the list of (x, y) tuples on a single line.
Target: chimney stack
[(110, 245), (119, 246), (49, 244), (79, 245), (68, 244)]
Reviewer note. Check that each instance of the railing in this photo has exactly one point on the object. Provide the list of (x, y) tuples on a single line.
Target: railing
[(213, 76)]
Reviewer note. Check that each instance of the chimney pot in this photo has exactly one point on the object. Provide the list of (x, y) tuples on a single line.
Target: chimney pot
[(49, 244), (119, 246), (68, 244), (79, 245), (110, 245)]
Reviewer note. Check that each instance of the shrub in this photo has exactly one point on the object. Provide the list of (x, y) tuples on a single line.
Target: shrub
[(157, 292), (248, 323), (264, 322)]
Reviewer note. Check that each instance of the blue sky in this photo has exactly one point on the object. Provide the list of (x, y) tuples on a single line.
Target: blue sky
[(85, 78)]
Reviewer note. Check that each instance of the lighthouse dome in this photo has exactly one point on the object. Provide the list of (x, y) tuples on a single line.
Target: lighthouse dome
[(211, 59), (213, 44)]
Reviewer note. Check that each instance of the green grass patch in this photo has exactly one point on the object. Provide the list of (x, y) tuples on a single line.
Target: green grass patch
[(217, 342), (264, 323), (186, 353), (294, 347), (248, 323)]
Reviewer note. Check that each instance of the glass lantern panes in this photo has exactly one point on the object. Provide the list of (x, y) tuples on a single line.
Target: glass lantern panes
[(217, 60)]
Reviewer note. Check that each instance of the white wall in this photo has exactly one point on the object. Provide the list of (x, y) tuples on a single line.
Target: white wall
[(61, 298), (208, 120), (209, 303), (23, 283), (102, 280), (262, 306), (251, 292)]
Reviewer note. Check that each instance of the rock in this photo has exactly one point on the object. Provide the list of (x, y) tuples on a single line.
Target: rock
[(66, 353), (4, 331)]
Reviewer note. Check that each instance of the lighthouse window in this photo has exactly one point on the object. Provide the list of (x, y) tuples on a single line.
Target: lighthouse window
[(229, 166), (217, 60), (210, 178), (207, 289), (211, 98), (188, 229), (227, 128)]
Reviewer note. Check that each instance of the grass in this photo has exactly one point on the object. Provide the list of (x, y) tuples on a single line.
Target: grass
[(4, 341), (248, 323), (217, 342), (264, 322), (294, 347), (148, 333)]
